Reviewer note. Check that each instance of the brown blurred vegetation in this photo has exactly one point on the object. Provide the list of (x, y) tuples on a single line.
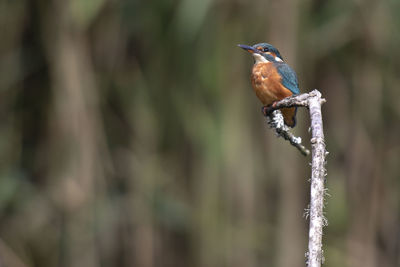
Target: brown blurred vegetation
[(130, 135)]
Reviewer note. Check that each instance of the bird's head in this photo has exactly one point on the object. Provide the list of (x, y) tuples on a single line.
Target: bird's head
[(263, 52)]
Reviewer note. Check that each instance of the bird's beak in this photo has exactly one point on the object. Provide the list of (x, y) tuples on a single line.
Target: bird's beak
[(249, 49)]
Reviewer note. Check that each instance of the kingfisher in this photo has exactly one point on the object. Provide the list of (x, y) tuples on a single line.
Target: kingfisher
[(272, 79)]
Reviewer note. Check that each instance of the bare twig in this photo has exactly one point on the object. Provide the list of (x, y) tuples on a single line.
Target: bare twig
[(275, 121), (313, 101), (294, 101)]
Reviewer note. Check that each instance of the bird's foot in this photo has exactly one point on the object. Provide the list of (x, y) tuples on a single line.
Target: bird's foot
[(267, 110)]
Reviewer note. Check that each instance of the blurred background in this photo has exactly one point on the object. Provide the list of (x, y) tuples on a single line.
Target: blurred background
[(130, 135)]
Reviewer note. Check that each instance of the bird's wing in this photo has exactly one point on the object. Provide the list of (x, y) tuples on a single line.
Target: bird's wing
[(289, 78)]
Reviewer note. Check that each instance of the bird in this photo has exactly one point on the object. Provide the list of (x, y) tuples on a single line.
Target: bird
[(272, 79)]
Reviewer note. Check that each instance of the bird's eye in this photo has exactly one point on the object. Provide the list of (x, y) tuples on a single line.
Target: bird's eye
[(265, 49)]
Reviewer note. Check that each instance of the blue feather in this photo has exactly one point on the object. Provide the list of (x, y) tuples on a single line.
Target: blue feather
[(289, 78)]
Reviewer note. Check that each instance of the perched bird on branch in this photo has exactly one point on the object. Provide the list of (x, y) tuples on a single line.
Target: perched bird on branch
[(272, 79)]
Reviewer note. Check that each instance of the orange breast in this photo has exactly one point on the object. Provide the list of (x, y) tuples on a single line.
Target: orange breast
[(267, 85)]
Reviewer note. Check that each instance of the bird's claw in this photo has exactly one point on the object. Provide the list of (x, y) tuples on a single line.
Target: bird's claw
[(264, 110), (267, 110)]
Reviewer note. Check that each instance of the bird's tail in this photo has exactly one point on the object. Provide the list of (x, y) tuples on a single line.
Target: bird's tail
[(289, 115)]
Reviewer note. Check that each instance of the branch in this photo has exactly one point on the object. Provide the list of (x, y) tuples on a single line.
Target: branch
[(313, 102), (294, 101), (318, 173), (275, 121)]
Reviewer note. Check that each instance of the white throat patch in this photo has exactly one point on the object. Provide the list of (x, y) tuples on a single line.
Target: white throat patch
[(259, 58)]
